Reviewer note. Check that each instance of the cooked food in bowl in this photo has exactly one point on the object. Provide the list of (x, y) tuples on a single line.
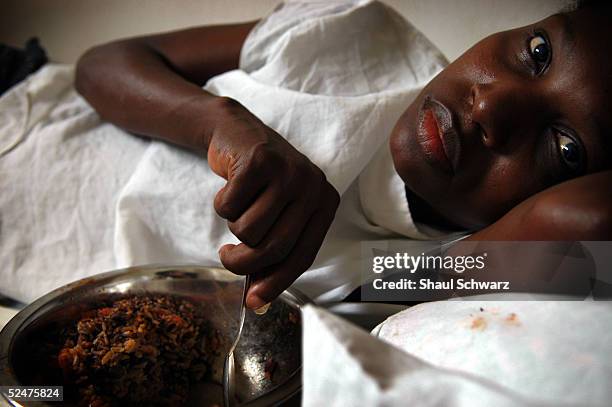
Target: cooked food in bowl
[(141, 350), (153, 335)]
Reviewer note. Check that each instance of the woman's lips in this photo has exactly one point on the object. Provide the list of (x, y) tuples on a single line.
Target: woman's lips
[(437, 135)]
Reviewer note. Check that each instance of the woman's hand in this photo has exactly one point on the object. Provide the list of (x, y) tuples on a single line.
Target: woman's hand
[(276, 201)]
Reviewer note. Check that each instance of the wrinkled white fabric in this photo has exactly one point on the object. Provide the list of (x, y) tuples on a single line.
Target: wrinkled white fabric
[(345, 366), (59, 186), (80, 196), (555, 352)]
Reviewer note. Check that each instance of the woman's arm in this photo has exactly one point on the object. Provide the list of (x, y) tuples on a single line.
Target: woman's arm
[(276, 201), (576, 210), (579, 209), (152, 85)]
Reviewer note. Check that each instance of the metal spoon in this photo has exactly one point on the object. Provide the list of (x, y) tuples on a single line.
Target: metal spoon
[(229, 369)]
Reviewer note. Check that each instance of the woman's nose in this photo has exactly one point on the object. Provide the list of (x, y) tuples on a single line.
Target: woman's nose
[(499, 110)]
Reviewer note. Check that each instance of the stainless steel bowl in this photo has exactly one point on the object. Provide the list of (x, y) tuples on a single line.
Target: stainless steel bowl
[(273, 339)]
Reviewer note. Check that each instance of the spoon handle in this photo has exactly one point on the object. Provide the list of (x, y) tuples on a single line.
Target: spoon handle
[(229, 374), (247, 284)]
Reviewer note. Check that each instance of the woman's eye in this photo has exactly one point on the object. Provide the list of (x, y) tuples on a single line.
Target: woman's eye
[(569, 151), (539, 50)]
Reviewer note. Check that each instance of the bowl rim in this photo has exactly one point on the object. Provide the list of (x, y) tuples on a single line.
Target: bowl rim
[(278, 394)]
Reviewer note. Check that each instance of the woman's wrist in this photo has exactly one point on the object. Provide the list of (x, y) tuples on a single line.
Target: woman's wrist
[(215, 109)]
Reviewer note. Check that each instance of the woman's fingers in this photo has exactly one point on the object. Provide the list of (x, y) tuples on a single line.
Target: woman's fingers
[(257, 220), (274, 248), (240, 191), (269, 284)]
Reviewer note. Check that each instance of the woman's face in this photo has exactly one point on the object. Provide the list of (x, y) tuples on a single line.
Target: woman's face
[(518, 112)]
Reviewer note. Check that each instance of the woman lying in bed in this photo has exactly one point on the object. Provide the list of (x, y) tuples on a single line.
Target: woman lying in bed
[(511, 140)]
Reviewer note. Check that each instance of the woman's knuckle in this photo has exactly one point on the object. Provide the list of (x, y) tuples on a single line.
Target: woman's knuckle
[(253, 163), (259, 153), (263, 160), (300, 178)]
